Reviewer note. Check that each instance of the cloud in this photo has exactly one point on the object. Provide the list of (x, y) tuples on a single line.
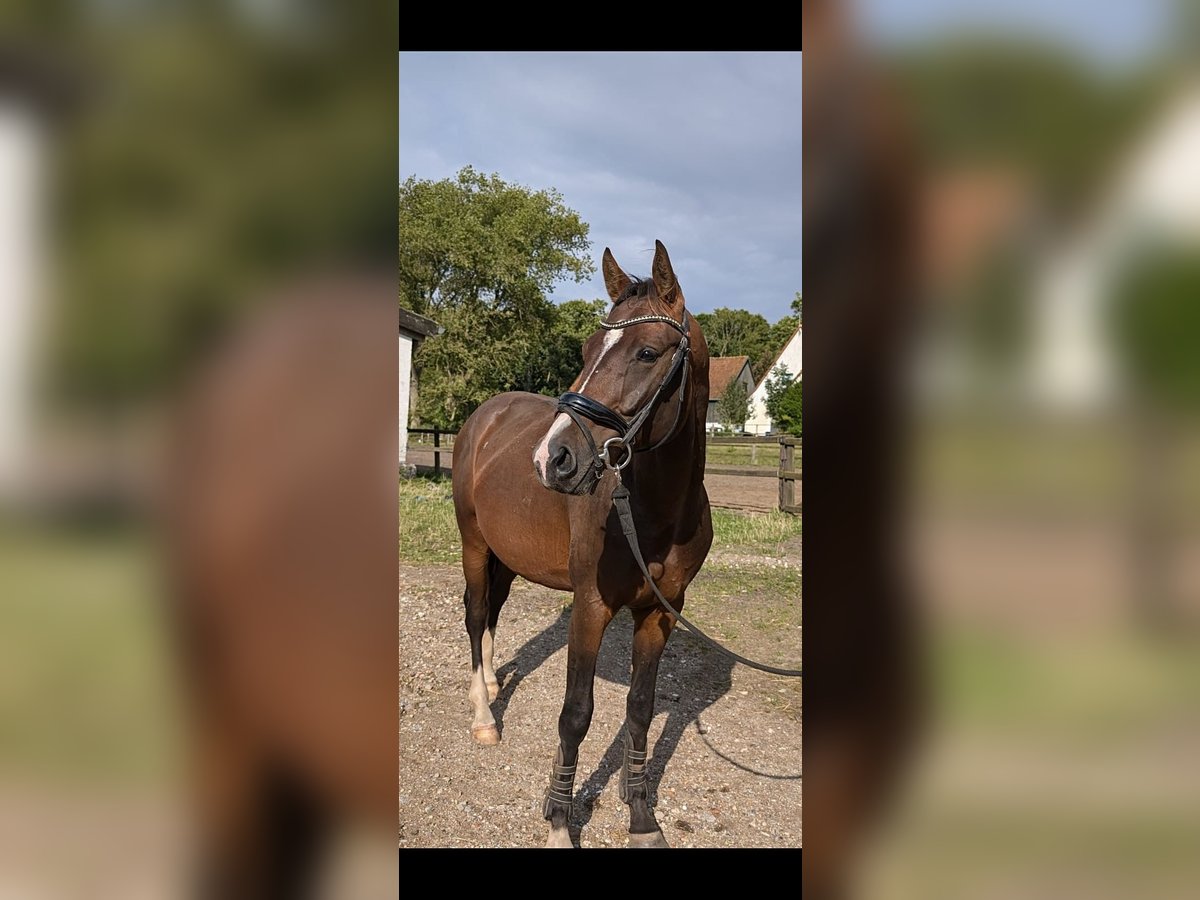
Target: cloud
[(700, 150)]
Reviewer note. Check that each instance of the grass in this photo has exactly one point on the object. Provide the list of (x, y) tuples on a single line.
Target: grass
[(1087, 688), (86, 686), (770, 534), (429, 534), (428, 531), (1064, 767), (1085, 468)]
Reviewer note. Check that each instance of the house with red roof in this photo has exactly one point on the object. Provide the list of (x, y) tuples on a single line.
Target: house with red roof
[(722, 370)]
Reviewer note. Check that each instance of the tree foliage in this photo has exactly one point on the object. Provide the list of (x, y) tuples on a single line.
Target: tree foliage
[(181, 187), (552, 367), (738, 332), (479, 255), (781, 333), (734, 332), (477, 240), (1155, 318), (784, 401), (1035, 107), (733, 406)]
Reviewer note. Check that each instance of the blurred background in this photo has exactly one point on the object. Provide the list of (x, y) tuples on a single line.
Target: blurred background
[(167, 170), (166, 167), (1053, 525)]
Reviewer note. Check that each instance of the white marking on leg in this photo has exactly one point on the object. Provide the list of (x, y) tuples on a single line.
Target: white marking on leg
[(489, 664), (479, 700)]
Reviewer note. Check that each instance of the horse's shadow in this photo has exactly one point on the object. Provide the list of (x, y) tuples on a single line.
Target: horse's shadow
[(691, 678)]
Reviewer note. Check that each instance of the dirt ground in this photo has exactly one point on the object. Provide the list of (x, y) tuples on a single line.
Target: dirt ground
[(725, 768)]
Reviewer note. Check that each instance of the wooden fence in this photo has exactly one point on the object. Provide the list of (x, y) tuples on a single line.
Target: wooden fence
[(788, 473)]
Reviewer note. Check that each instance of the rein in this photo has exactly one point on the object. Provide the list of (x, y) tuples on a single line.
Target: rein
[(580, 406), (620, 499)]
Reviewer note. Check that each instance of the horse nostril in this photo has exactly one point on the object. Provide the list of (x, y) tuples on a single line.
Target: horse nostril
[(564, 463)]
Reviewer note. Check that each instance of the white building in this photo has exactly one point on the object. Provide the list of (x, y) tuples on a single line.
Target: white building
[(790, 356), (1155, 196), (413, 329)]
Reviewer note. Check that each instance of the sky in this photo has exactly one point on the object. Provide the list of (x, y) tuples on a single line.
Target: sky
[(699, 150), (1110, 34)]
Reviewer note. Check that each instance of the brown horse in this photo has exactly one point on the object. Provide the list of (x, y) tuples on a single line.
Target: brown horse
[(649, 366), (279, 518)]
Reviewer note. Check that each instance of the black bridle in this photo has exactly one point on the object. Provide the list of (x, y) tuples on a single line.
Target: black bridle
[(580, 406)]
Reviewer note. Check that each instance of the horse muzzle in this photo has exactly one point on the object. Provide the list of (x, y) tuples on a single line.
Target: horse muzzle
[(562, 466)]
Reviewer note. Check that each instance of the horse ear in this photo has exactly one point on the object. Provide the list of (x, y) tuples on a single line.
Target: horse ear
[(614, 279), (663, 274)]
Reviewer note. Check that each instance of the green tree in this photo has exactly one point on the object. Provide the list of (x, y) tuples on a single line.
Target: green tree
[(735, 332), (552, 366), (1035, 108), (781, 333), (181, 195), (733, 407), (798, 307), (1156, 318), (784, 401), (1154, 321), (479, 255), (476, 239), (739, 332)]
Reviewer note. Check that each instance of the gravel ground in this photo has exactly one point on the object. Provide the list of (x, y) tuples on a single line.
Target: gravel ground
[(725, 769)]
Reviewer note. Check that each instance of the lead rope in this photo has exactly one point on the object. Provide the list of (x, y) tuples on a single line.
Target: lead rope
[(620, 499)]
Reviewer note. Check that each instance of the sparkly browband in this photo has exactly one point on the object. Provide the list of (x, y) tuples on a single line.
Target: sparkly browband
[(637, 320)]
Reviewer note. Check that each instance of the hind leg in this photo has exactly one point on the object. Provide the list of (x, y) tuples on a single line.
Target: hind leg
[(475, 598), (498, 587)]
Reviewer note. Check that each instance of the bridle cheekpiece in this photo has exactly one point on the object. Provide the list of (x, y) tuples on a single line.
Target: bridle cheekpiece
[(580, 406)]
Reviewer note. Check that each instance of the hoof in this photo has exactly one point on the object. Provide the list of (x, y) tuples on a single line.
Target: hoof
[(487, 735), (559, 837), (653, 839), (493, 690)]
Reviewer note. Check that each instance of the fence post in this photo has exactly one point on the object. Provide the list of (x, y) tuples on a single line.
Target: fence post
[(787, 487), (437, 456)]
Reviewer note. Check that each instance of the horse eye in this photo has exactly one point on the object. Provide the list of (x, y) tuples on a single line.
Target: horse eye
[(647, 354)]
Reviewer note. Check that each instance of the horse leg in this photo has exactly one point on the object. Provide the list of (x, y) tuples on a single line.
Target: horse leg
[(475, 598), (499, 582), (589, 617), (652, 627), (262, 830)]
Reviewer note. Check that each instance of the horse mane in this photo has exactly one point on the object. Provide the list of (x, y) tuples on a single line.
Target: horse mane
[(643, 289), (638, 287)]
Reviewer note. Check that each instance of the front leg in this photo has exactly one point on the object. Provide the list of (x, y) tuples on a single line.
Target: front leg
[(589, 617), (652, 627)]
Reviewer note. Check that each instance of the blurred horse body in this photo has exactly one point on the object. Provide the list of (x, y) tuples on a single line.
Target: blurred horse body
[(281, 514), (862, 702)]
